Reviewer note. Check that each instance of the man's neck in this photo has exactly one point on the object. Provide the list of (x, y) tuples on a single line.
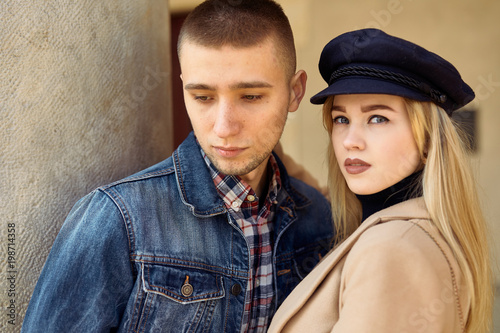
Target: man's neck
[(258, 179)]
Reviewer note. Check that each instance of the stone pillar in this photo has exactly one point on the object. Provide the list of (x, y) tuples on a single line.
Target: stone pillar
[(84, 100)]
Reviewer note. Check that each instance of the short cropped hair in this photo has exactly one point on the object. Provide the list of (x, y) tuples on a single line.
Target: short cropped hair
[(240, 24)]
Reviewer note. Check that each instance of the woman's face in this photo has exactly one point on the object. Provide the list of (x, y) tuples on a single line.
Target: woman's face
[(373, 141)]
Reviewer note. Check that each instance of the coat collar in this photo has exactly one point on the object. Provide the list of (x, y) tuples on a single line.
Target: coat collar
[(410, 209)]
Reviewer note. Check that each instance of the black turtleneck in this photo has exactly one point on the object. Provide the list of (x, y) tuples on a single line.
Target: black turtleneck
[(399, 192)]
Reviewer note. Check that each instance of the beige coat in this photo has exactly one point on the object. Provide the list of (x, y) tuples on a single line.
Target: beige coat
[(395, 273)]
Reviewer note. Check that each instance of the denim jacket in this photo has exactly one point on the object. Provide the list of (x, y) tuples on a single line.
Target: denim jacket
[(159, 252)]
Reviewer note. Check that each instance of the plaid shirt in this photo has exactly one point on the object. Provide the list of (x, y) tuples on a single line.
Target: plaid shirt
[(257, 226)]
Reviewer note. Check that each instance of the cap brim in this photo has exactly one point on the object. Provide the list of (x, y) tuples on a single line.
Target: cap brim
[(366, 85)]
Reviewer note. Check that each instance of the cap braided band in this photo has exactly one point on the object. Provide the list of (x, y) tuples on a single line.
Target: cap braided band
[(434, 94)]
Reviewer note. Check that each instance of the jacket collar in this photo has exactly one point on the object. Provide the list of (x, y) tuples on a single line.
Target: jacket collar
[(194, 182), (196, 186)]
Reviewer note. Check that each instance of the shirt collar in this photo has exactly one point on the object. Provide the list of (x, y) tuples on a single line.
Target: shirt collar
[(235, 191)]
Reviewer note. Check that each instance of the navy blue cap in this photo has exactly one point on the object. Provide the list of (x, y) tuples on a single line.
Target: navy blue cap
[(369, 61)]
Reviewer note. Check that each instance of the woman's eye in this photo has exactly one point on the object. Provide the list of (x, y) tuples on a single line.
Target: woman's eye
[(340, 120), (378, 119)]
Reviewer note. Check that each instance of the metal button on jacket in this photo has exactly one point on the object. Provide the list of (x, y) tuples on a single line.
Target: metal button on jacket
[(187, 289), (236, 289)]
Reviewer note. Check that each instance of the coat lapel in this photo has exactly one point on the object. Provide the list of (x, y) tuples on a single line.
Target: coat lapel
[(410, 209)]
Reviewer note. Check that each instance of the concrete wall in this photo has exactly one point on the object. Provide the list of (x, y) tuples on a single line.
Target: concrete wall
[(84, 100)]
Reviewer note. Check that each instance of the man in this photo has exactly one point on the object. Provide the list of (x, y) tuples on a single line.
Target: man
[(215, 237)]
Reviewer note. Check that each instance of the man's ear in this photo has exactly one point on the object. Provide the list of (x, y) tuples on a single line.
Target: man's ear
[(298, 90)]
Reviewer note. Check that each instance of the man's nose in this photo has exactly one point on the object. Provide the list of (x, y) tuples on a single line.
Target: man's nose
[(226, 121)]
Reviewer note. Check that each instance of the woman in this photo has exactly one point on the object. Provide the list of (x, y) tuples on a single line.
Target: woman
[(412, 253)]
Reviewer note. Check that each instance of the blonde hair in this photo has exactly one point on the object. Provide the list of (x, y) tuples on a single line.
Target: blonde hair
[(449, 192)]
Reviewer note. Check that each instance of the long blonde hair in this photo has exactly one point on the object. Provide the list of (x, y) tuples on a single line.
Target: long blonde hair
[(449, 192)]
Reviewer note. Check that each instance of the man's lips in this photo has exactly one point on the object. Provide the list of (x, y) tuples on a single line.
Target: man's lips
[(355, 166), (228, 151)]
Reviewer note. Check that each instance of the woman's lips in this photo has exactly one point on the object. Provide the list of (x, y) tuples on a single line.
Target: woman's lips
[(356, 166)]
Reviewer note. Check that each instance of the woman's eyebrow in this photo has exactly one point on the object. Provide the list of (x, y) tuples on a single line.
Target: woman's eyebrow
[(372, 107)]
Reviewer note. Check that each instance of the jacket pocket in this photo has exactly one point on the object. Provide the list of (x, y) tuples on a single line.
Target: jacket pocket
[(293, 267), (306, 258), (179, 299), (183, 285)]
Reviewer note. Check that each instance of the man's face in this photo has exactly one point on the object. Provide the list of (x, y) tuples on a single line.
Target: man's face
[(238, 100)]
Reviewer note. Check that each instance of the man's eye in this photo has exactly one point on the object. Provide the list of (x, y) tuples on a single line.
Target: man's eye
[(201, 98), (340, 120), (252, 97), (378, 120)]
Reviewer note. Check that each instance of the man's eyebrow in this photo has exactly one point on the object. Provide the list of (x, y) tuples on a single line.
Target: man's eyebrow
[(236, 86), (198, 86), (250, 85)]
